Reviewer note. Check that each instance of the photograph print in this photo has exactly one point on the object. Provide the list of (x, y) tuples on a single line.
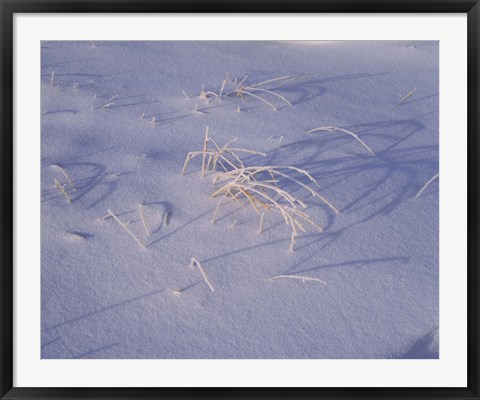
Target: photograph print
[(240, 200)]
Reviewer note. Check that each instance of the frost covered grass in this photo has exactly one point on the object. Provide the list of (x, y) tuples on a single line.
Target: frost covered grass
[(336, 129), (240, 89), (67, 177), (258, 185), (193, 262), (406, 97), (224, 156), (62, 190), (125, 227), (297, 277), (427, 184)]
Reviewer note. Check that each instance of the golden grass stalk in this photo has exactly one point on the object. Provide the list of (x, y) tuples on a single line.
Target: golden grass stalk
[(60, 187)]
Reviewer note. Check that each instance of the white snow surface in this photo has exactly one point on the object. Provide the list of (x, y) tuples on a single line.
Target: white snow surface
[(104, 296)]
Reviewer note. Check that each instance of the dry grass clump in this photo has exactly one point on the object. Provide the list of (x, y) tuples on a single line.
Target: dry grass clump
[(260, 186), (213, 155), (239, 88)]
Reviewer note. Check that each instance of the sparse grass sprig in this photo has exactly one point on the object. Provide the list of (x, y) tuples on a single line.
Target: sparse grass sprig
[(194, 261), (260, 225), (280, 78), (67, 177), (299, 277), (144, 221), (336, 129), (62, 190), (124, 226), (427, 184), (406, 97)]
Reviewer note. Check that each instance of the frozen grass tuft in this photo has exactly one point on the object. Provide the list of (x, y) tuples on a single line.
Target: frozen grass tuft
[(224, 156), (336, 129), (240, 89), (252, 176), (258, 185)]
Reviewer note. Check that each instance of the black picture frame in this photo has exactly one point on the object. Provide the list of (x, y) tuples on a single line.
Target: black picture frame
[(9, 8)]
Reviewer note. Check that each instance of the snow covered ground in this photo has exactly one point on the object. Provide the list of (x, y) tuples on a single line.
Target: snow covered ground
[(116, 129)]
